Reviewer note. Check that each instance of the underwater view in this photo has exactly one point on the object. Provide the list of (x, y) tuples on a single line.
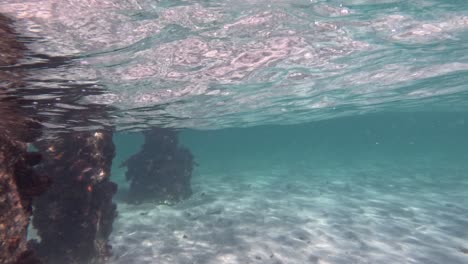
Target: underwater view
[(233, 132)]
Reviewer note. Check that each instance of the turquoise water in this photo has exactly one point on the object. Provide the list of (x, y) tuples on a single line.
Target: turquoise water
[(325, 131), (379, 188)]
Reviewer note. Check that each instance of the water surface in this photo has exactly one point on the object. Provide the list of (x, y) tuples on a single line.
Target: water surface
[(217, 64)]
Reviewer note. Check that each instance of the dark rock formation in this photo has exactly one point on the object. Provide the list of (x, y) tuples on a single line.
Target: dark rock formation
[(74, 217), (161, 171), (18, 181)]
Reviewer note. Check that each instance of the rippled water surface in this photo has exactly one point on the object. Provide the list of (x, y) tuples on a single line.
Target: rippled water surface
[(214, 64)]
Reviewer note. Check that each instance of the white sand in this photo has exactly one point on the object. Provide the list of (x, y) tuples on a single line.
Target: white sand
[(366, 213)]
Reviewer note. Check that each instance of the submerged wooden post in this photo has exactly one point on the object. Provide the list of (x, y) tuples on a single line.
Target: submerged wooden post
[(74, 217), (161, 171), (19, 183)]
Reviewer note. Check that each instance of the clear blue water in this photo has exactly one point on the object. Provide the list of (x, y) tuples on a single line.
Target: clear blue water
[(325, 131), (378, 188)]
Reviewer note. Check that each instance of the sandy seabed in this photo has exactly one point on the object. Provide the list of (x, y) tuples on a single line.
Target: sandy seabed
[(360, 213)]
